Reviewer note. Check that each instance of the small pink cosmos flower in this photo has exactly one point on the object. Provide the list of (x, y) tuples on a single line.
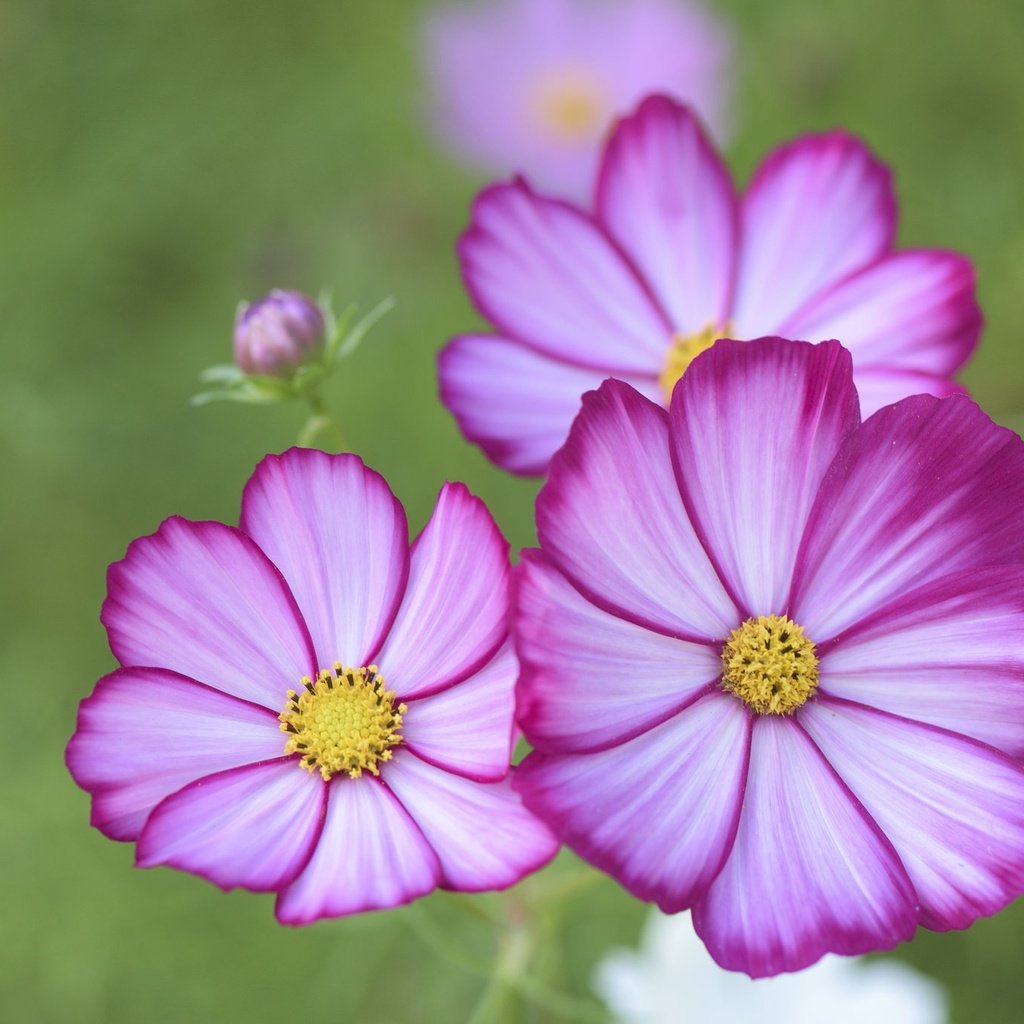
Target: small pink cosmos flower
[(670, 259), (773, 657), (531, 85), (306, 705)]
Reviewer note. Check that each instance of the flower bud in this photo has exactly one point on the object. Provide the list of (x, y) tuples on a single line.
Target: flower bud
[(278, 333)]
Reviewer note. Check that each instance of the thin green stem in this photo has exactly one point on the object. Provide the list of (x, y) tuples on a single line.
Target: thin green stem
[(320, 422)]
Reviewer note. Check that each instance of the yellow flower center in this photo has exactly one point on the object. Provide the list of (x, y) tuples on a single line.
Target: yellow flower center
[(769, 663), (345, 721), (568, 103), (685, 348)]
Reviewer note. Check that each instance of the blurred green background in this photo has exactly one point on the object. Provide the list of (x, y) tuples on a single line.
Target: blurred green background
[(160, 161)]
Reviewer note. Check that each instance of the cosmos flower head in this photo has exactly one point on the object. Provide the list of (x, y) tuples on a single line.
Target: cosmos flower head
[(772, 656), (672, 970), (308, 706), (668, 259), (532, 85)]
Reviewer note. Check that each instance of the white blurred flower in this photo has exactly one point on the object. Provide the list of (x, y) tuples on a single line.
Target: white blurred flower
[(672, 978)]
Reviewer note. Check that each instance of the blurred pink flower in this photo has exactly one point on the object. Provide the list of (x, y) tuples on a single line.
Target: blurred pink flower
[(532, 85), (306, 705), (773, 657), (669, 258)]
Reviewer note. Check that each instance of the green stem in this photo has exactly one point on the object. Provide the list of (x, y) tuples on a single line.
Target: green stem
[(320, 422)]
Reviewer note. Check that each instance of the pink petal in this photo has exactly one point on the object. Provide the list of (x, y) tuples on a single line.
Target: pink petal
[(253, 827), (515, 403), (817, 209), (370, 855), (914, 310), (545, 274), (339, 536), (950, 653), (454, 614), (665, 196), (659, 812), (879, 388), (590, 679), (481, 833), (810, 873), (202, 599), (953, 808), (611, 519), (925, 488), (145, 733), (468, 728), (754, 429)]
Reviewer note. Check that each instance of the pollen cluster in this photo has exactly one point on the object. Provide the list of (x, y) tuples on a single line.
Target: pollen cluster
[(344, 721), (769, 663), (685, 348), (568, 103)]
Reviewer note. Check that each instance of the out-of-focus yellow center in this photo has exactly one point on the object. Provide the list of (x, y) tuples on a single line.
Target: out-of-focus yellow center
[(769, 663), (685, 348), (345, 721), (568, 103)]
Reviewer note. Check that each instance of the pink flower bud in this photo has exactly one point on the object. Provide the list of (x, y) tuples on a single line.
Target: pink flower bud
[(278, 333)]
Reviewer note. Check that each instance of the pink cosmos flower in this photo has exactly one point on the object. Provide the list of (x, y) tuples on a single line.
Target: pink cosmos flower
[(773, 657), (670, 259), (306, 705), (532, 85)]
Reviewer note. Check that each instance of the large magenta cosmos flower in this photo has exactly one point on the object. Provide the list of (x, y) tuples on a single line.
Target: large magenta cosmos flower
[(531, 85), (307, 706), (773, 658), (670, 259)]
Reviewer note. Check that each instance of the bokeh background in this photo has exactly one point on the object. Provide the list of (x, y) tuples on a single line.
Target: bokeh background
[(160, 161)]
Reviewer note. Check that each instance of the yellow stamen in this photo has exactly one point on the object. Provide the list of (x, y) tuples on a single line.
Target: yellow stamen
[(568, 103), (345, 721), (685, 348), (769, 663)]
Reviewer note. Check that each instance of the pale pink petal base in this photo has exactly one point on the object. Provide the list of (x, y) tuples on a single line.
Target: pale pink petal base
[(253, 827), (481, 833), (590, 679), (370, 855), (146, 732), (468, 729), (810, 873), (953, 808), (659, 812)]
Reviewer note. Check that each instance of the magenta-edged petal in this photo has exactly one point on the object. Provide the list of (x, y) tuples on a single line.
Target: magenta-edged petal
[(468, 728), (544, 273), (591, 679), (145, 733), (339, 536), (665, 196), (515, 403), (610, 517), (754, 429), (879, 388), (914, 310), (659, 812), (925, 488), (454, 614), (953, 808), (810, 873), (951, 653), (202, 599), (370, 855), (817, 209), (252, 827), (481, 833)]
